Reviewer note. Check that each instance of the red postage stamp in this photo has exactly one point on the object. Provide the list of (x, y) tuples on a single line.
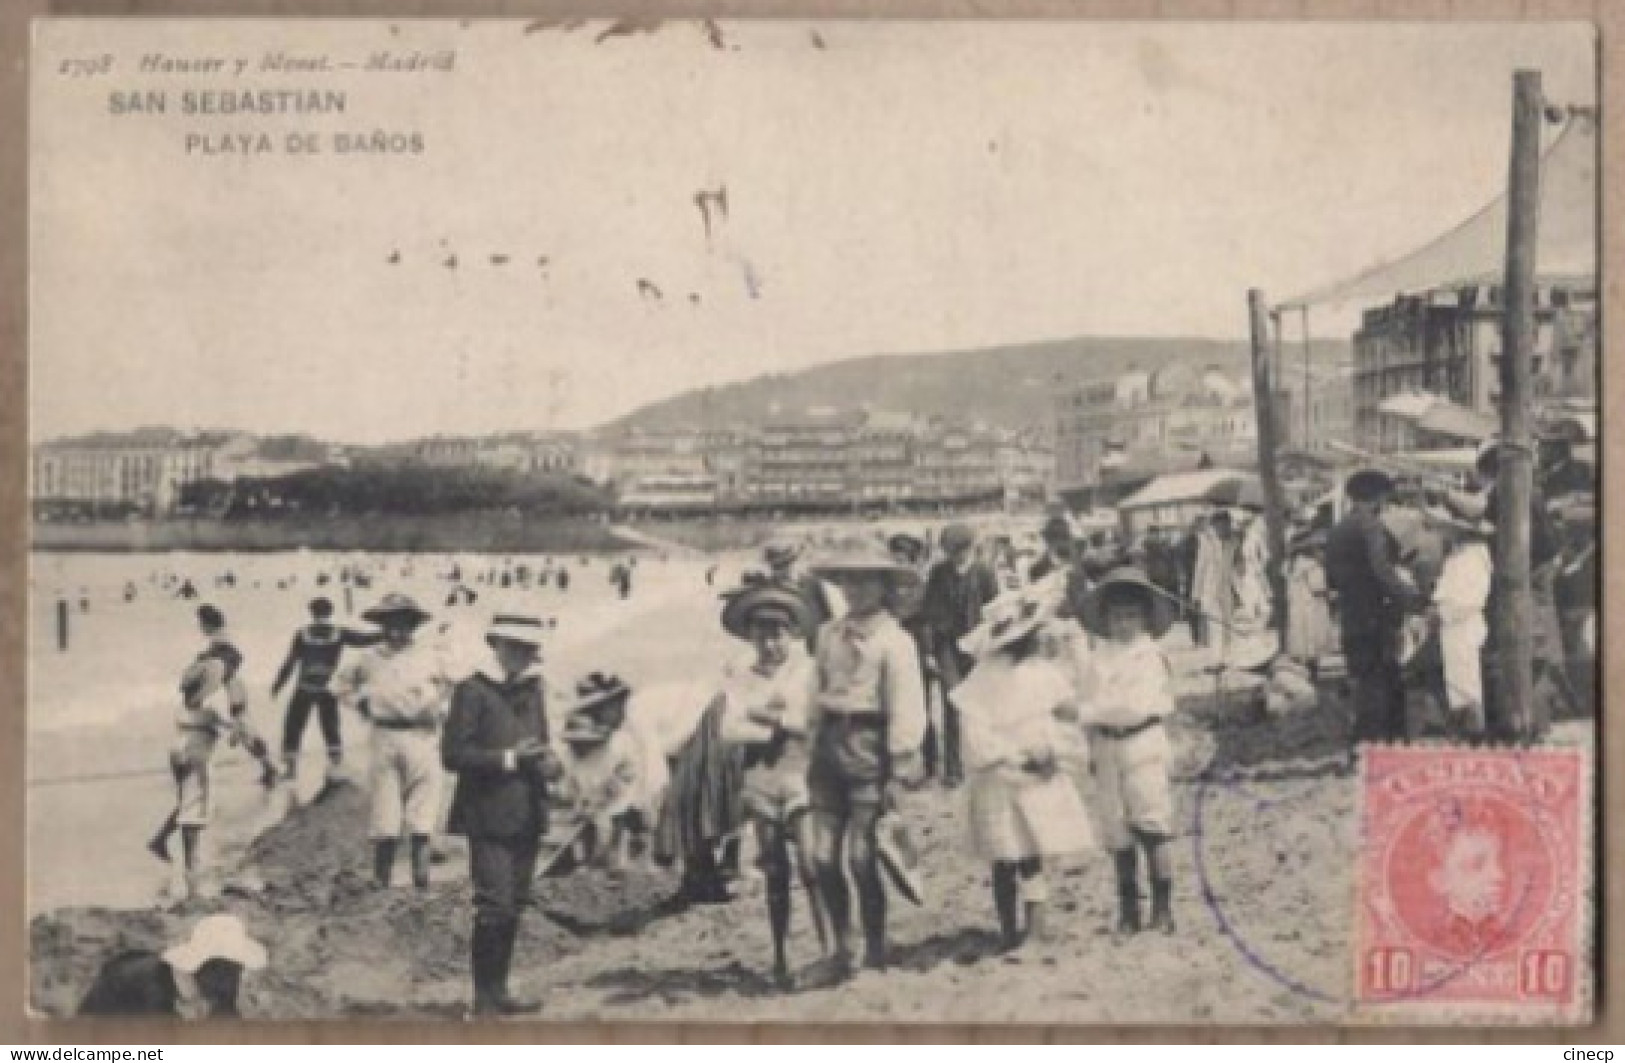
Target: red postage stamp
[(1471, 887)]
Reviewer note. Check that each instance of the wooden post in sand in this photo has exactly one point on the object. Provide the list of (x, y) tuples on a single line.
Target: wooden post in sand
[(62, 624), (1515, 465), (1274, 505)]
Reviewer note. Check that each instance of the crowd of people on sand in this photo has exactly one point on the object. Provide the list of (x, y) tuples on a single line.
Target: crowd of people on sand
[(877, 663)]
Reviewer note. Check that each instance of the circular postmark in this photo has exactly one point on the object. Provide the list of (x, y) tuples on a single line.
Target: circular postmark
[(1261, 859)]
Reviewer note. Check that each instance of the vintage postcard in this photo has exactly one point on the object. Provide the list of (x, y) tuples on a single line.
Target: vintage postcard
[(1050, 522)]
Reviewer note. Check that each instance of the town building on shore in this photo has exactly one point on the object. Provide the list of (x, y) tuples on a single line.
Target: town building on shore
[(108, 472), (145, 471), (825, 460), (513, 452), (804, 461), (1112, 435), (121, 472)]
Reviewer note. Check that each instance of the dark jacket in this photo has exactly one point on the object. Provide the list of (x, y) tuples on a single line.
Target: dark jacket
[(1162, 565), (1543, 538), (1360, 568), (951, 608), (314, 654), (489, 717), (953, 601)]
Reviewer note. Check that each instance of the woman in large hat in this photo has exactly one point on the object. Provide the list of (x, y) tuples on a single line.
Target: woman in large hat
[(401, 686)]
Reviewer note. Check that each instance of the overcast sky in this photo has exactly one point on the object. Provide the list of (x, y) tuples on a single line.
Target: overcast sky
[(891, 188)]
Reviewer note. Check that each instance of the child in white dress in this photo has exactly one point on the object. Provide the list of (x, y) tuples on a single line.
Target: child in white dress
[(1023, 806)]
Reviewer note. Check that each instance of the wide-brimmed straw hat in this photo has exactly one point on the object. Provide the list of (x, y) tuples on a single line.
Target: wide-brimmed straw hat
[(1008, 619), (1127, 579), (217, 937), (394, 605), (1369, 484), (744, 604), (515, 627), (862, 555)]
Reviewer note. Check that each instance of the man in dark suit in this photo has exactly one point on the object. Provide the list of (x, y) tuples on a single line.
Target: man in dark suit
[(495, 740), (956, 591), (1372, 597)]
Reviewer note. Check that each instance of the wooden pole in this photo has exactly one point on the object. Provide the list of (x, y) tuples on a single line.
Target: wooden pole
[(1308, 432), (1515, 467), (1264, 410), (62, 624)]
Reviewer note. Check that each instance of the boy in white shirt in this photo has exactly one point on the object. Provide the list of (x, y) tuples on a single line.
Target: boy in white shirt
[(1126, 693)]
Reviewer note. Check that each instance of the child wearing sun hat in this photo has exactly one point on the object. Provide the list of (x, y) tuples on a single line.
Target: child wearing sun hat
[(764, 707), (1022, 806), (1127, 694), (606, 774)]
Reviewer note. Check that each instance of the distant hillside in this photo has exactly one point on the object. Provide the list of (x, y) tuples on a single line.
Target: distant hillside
[(1003, 386)]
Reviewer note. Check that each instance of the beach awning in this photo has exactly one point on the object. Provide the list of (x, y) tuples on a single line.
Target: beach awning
[(1475, 250)]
